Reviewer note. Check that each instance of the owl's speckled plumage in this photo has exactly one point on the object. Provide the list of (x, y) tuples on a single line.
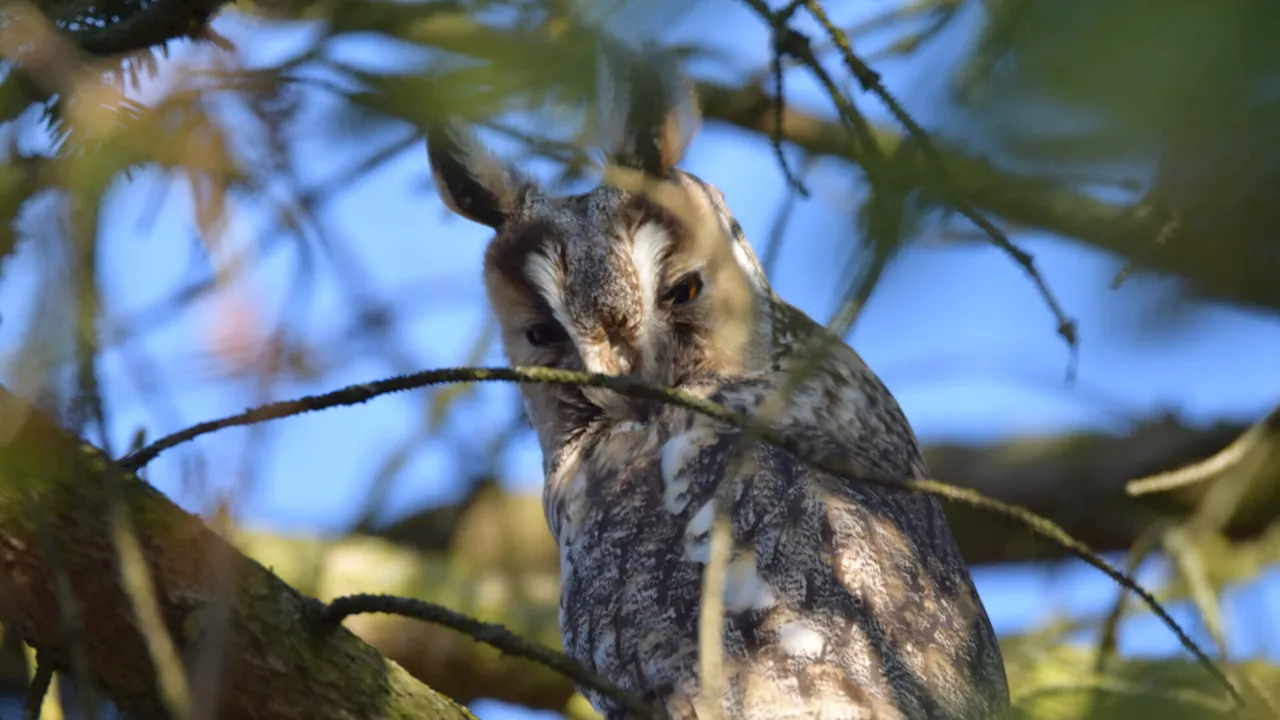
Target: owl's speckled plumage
[(842, 599)]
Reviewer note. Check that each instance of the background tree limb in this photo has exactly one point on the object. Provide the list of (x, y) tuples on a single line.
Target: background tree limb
[(1075, 479)]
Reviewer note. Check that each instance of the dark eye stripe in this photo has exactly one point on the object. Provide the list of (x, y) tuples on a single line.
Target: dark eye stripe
[(545, 333)]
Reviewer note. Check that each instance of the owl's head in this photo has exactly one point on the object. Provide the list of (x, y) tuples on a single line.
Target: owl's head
[(648, 274)]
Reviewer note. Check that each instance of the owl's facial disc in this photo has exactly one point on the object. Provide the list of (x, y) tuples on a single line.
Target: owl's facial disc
[(610, 282), (610, 306)]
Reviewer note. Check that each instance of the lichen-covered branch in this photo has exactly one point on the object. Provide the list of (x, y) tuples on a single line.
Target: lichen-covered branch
[(276, 659)]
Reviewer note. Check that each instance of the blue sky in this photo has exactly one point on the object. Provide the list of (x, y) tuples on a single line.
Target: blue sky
[(955, 330)]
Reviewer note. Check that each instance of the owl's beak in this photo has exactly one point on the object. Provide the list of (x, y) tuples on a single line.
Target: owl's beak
[(608, 358), (611, 358)]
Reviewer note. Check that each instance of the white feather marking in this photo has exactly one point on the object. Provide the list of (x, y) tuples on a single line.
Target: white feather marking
[(628, 426), (700, 524), (697, 534), (744, 589), (675, 453), (675, 495), (698, 551), (749, 268), (675, 456), (646, 254), (798, 639), (544, 275)]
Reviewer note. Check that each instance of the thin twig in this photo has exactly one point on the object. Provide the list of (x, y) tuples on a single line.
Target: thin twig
[(905, 11), (810, 453), (870, 81), (797, 45), (1142, 548), (781, 220), (490, 634), (789, 43), (775, 138), (1211, 466)]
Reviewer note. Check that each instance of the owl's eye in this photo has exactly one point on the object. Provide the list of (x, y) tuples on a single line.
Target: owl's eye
[(545, 333), (688, 288)]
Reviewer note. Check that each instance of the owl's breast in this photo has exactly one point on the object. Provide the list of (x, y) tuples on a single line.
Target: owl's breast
[(840, 600), (630, 567)]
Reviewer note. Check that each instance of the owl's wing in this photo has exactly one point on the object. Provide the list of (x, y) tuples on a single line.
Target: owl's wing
[(845, 599)]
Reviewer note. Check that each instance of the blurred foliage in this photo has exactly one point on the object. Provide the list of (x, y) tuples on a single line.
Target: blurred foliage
[(1067, 100), (1056, 682), (1184, 93)]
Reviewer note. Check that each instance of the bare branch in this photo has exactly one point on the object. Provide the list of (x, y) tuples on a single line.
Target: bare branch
[(489, 634), (870, 81), (1265, 433)]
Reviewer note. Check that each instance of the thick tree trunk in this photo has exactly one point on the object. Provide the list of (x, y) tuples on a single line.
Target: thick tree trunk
[(270, 655)]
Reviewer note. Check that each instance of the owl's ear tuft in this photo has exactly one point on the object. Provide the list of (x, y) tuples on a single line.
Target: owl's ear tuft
[(471, 181), (647, 109)]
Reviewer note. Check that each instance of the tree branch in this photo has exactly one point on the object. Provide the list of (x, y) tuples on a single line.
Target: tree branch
[(278, 660), (1020, 199), (501, 568), (1076, 479), (1024, 200)]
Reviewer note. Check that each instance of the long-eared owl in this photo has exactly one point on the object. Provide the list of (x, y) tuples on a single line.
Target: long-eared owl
[(840, 599)]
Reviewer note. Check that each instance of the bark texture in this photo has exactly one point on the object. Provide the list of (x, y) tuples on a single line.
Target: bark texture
[(253, 646)]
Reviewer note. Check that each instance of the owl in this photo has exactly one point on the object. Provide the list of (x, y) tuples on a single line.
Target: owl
[(841, 599)]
